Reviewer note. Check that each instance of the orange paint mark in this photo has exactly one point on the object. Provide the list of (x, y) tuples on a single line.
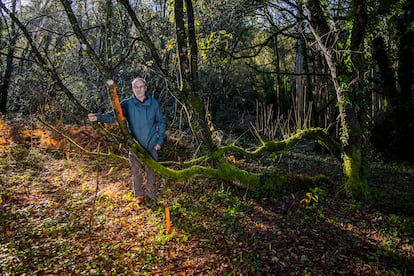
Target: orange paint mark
[(167, 220), (118, 105)]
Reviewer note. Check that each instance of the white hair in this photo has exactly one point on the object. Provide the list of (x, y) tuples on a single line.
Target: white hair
[(139, 79)]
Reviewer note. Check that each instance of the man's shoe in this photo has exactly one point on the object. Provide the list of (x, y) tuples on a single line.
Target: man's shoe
[(141, 199)]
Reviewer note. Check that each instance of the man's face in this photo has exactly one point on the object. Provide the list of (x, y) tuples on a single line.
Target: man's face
[(139, 89)]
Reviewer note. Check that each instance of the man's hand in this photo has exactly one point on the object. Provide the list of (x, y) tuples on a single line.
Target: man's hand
[(92, 117), (157, 147)]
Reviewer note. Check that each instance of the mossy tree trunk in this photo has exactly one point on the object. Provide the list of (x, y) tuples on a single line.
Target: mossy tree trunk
[(345, 65), (189, 88), (217, 165)]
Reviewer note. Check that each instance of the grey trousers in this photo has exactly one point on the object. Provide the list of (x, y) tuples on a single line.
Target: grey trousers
[(142, 188)]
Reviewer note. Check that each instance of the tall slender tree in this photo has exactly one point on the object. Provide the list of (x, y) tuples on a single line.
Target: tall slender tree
[(344, 56), (12, 36)]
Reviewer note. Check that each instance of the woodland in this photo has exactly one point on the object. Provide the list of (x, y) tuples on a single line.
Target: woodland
[(288, 148)]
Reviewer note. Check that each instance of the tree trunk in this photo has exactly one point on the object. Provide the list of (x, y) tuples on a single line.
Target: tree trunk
[(348, 86), (105, 68), (388, 83), (269, 183), (300, 92), (278, 76), (406, 59), (6, 78), (187, 53)]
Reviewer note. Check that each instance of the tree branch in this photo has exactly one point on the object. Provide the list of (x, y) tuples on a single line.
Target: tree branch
[(73, 142)]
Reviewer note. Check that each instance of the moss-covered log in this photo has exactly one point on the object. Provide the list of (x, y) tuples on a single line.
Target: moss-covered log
[(317, 134), (216, 165), (220, 168)]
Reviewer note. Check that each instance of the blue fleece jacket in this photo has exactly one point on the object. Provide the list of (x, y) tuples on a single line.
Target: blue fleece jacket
[(145, 120)]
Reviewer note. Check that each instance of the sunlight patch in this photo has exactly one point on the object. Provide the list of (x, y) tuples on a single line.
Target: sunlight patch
[(114, 190)]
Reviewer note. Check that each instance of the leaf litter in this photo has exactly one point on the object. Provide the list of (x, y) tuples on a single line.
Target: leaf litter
[(47, 225)]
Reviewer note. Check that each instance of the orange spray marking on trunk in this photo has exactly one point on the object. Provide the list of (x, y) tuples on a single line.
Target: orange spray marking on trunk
[(118, 105), (167, 220)]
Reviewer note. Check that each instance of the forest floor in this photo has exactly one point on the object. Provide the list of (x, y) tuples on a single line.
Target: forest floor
[(66, 213)]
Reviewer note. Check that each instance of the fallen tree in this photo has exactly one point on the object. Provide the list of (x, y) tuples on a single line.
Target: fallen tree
[(222, 163)]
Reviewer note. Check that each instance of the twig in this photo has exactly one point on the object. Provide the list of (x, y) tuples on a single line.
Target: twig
[(96, 190), (112, 155)]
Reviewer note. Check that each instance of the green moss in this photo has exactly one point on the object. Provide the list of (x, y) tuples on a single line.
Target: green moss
[(355, 182)]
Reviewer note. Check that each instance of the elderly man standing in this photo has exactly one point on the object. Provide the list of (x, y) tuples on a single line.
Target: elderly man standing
[(146, 123)]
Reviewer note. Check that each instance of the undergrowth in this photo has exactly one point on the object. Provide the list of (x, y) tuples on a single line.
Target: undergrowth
[(52, 221)]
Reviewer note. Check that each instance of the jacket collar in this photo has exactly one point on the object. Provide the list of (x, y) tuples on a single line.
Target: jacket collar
[(146, 100)]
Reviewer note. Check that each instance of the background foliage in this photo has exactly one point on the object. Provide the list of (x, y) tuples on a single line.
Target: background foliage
[(249, 51), (261, 75)]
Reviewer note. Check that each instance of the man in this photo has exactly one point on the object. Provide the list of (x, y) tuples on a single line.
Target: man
[(147, 126)]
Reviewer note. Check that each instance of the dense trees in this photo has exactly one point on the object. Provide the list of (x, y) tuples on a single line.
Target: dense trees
[(392, 52), (225, 65)]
